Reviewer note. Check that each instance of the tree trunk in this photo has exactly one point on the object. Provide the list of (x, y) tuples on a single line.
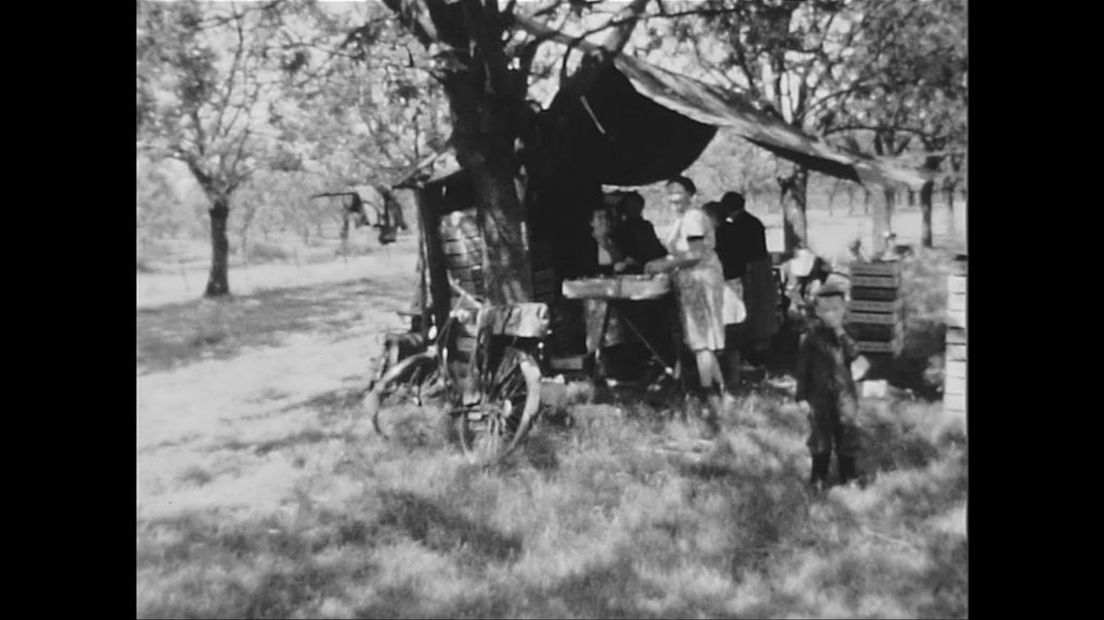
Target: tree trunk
[(345, 234), (926, 213), (911, 197), (883, 218), (931, 164), (850, 199), (793, 196), (507, 273), (218, 284), (244, 249), (832, 195)]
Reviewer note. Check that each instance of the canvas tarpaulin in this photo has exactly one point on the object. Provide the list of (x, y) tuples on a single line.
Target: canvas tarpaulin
[(714, 106)]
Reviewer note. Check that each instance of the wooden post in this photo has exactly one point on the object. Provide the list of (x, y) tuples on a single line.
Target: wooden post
[(429, 214)]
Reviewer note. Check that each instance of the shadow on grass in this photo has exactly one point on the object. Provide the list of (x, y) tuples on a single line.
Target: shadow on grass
[(174, 335), (443, 530), (302, 438)]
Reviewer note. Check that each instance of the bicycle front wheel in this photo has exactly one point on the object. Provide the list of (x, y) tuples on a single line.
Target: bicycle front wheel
[(494, 428)]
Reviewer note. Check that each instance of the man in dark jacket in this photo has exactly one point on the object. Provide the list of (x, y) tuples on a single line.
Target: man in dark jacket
[(635, 236), (742, 248)]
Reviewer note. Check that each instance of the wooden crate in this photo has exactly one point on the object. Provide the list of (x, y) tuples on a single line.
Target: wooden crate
[(877, 347), (864, 293), (891, 268), (956, 302), (956, 319), (874, 318), (881, 307), (954, 376), (955, 368), (890, 281), (954, 402), (876, 332), (956, 352)]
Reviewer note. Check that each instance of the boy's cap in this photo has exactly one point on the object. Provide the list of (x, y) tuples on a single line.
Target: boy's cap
[(831, 289)]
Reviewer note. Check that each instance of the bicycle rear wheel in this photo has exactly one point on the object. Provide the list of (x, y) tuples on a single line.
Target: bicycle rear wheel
[(384, 401), (492, 429)]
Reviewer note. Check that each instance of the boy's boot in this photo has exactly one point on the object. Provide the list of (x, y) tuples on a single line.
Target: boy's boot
[(847, 471), (714, 407), (819, 477)]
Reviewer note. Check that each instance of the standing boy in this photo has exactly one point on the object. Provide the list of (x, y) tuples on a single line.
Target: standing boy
[(826, 388)]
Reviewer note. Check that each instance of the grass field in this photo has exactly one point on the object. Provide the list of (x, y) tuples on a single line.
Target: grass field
[(262, 494)]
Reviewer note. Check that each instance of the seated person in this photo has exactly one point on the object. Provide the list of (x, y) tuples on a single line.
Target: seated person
[(602, 253), (605, 248)]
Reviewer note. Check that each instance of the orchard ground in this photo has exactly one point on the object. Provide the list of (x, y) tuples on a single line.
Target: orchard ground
[(262, 494)]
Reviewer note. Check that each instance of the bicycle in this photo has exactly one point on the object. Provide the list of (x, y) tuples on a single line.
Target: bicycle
[(493, 399)]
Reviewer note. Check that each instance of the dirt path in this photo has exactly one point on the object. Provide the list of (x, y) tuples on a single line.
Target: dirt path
[(229, 392)]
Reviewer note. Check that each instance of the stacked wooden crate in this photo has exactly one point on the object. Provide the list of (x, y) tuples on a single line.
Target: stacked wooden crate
[(954, 380), (463, 252), (874, 312)]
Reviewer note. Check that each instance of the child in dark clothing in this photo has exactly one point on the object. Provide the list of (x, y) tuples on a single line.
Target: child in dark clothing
[(826, 388)]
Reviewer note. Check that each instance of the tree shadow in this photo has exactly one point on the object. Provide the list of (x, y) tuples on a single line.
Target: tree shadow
[(305, 437), (443, 530), (175, 335)]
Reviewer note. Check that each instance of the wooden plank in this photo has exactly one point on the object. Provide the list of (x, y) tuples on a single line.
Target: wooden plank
[(872, 318), (873, 294), (891, 268), (876, 333), (956, 301), (954, 385), (956, 352), (868, 346), (956, 318), (863, 305), (891, 282), (956, 335), (955, 368), (956, 284), (954, 402)]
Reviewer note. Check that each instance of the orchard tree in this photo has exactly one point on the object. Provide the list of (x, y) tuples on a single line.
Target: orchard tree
[(206, 72), (918, 102)]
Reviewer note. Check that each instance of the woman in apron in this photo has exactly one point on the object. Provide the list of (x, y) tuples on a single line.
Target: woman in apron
[(699, 284)]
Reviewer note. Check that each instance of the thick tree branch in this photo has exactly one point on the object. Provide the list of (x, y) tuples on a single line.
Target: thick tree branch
[(422, 30)]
